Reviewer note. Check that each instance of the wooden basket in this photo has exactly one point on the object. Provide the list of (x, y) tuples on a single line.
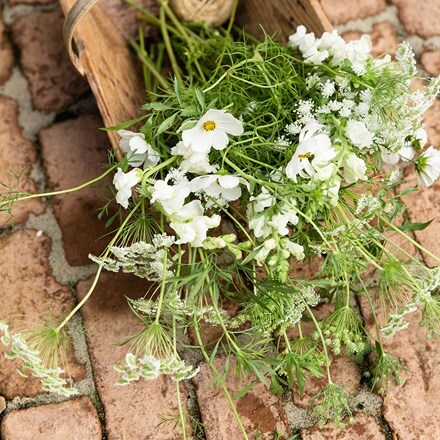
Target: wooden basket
[(104, 59)]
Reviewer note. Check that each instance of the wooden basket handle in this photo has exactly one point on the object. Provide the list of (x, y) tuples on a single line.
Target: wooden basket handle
[(73, 18)]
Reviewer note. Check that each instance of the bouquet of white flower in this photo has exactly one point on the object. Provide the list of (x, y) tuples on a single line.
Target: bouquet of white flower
[(253, 157)]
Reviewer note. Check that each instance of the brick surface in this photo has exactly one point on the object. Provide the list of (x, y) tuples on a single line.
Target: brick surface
[(53, 82), (421, 18), (260, 412), (422, 207), (2, 404), (71, 420), (432, 123), (383, 38), (411, 409), (133, 411), (364, 428), (73, 152), (6, 54), (430, 61), (341, 11), (29, 293), (16, 152)]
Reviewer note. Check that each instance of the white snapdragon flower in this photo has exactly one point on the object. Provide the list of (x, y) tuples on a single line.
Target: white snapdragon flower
[(137, 149), (261, 202), (354, 168), (359, 134), (428, 166), (406, 154), (191, 225), (124, 182), (212, 130), (193, 162), (313, 155), (280, 221), (215, 185), (295, 249), (171, 197)]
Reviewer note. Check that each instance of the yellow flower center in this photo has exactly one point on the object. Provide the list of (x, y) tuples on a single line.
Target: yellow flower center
[(209, 125), (305, 155)]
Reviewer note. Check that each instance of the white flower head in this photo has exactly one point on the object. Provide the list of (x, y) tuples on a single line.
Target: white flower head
[(193, 162), (428, 166), (354, 168), (124, 182), (313, 154), (215, 185), (171, 197), (137, 149), (359, 134), (211, 131), (191, 225)]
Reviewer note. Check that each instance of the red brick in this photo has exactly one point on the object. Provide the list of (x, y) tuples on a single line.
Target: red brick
[(420, 18), (73, 153), (364, 428), (431, 62), (260, 413), (6, 54), (29, 293), (422, 205), (341, 11), (70, 420), (411, 409), (383, 38), (53, 81), (432, 123), (133, 411), (16, 151)]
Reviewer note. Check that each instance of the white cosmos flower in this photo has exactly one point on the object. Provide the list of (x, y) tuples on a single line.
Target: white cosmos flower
[(137, 149), (359, 134), (212, 130), (191, 225), (193, 162), (171, 197), (215, 185), (124, 182), (313, 155), (354, 168), (428, 166)]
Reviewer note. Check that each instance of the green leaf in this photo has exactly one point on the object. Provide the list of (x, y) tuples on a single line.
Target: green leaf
[(200, 97), (414, 226), (275, 386), (156, 106), (409, 190), (245, 390), (166, 124), (124, 124)]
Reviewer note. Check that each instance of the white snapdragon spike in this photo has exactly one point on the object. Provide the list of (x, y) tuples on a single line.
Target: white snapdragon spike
[(354, 168), (279, 221), (295, 249), (171, 197), (215, 185), (193, 162), (137, 149), (211, 131), (124, 182), (428, 166), (359, 134), (191, 225), (313, 155)]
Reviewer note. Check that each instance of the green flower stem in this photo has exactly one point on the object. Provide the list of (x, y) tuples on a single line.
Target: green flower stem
[(411, 240), (100, 267), (162, 287), (148, 63), (154, 170), (60, 192), (168, 45), (373, 312), (219, 379)]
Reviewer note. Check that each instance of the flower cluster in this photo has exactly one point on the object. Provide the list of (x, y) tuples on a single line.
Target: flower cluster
[(52, 379), (149, 368)]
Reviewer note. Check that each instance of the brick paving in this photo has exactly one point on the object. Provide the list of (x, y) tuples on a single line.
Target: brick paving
[(43, 257)]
